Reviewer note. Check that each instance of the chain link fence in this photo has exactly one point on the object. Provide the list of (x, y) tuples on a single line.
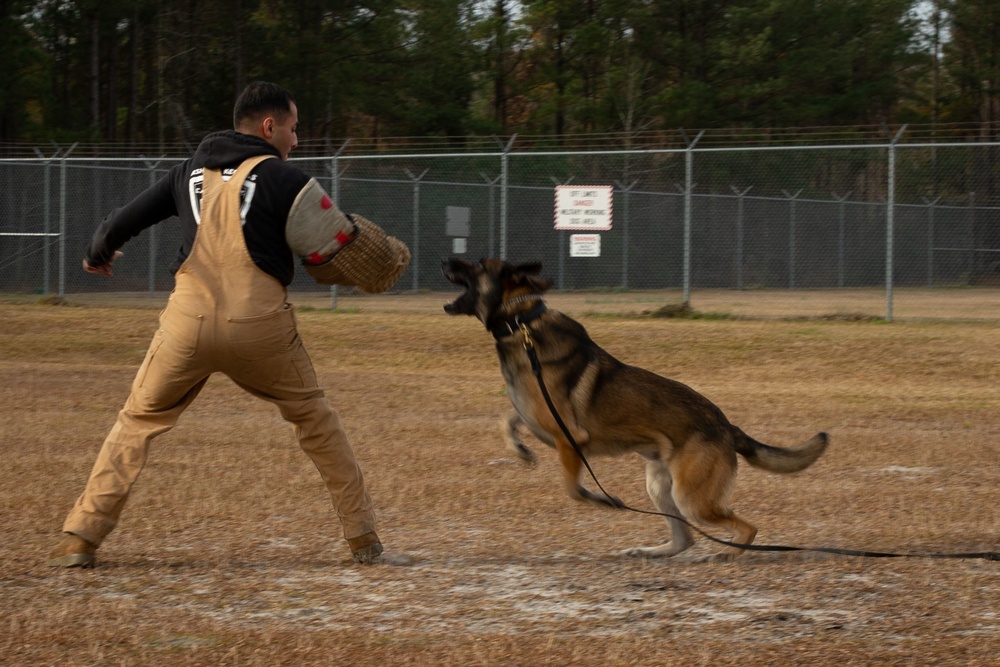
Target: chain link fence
[(888, 217)]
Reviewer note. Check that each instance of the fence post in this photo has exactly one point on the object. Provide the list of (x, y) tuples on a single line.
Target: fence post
[(840, 238), (334, 168), (62, 221), (930, 239), (491, 183), (505, 151), (626, 189), (890, 213), (688, 187), (416, 226), (561, 283), (152, 230), (739, 233), (45, 229), (47, 215), (791, 236), (972, 237)]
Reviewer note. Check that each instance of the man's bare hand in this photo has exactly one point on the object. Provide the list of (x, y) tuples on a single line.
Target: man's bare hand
[(102, 269)]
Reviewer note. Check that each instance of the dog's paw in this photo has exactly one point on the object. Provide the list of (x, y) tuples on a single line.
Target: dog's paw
[(723, 556), (525, 454), (602, 499), (635, 552), (662, 551), (616, 503)]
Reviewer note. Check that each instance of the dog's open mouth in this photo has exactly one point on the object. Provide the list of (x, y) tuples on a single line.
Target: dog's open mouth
[(458, 272), (456, 307)]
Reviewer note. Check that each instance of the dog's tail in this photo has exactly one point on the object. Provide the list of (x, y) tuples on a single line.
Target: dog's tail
[(781, 459)]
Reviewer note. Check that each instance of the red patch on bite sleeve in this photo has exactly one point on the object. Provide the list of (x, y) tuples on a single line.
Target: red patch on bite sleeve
[(325, 202)]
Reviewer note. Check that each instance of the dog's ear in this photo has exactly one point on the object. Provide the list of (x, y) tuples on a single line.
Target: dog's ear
[(528, 268), (537, 284), (526, 275), (523, 269), (455, 264), (457, 270)]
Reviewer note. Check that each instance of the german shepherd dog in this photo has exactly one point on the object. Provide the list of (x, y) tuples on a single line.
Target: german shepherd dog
[(611, 408)]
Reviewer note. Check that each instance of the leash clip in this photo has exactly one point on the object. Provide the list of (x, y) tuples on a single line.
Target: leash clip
[(528, 342)]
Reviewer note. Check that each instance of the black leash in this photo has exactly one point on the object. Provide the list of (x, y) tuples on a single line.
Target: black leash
[(536, 368)]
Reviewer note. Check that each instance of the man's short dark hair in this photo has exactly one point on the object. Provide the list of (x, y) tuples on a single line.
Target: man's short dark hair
[(260, 99)]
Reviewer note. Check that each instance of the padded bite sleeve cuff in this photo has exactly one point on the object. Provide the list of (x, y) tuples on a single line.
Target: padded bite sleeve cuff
[(316, 228)]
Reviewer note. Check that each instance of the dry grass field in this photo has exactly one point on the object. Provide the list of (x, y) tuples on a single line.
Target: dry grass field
[(229, 552)]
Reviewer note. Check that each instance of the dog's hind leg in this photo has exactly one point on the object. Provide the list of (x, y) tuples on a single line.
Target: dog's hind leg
[(659, 486), (509, 428), (571, 466), (703, 473)]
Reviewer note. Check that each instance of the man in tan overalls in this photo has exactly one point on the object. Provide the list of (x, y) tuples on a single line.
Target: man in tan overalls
[(228, 313)]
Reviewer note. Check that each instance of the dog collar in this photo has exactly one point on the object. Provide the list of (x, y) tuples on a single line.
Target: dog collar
[(509, 327)]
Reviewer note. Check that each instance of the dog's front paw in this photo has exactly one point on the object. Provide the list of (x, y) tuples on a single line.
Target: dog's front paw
[(724, 556), (635, 552), (662, 551), (525, 454), (615, 503), (602, 499)]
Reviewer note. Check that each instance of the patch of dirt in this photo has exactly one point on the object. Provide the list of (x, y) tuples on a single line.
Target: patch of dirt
[(229, 552)]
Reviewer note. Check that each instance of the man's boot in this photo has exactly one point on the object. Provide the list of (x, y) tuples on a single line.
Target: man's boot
[(365, 548), (72, 551)]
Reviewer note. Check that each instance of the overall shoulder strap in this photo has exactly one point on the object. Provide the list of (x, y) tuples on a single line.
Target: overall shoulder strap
[(246, 167)]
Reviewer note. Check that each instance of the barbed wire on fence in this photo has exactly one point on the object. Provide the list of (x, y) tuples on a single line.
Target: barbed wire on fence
[(790, 217)]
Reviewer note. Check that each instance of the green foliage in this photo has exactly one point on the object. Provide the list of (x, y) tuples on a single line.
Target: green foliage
[(438, 96), (24, 76), (151, 72), (972, 61)]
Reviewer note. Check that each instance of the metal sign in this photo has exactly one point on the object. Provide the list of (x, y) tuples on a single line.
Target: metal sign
[(583, 207), (584, 245)]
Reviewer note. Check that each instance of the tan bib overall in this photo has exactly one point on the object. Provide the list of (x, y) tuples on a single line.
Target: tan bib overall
[(226, 315)]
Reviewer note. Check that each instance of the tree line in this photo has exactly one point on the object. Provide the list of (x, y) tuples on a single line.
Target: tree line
[(152, 73)]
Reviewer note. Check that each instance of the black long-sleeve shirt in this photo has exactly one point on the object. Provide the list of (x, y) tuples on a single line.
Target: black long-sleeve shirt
[(266, 197)]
